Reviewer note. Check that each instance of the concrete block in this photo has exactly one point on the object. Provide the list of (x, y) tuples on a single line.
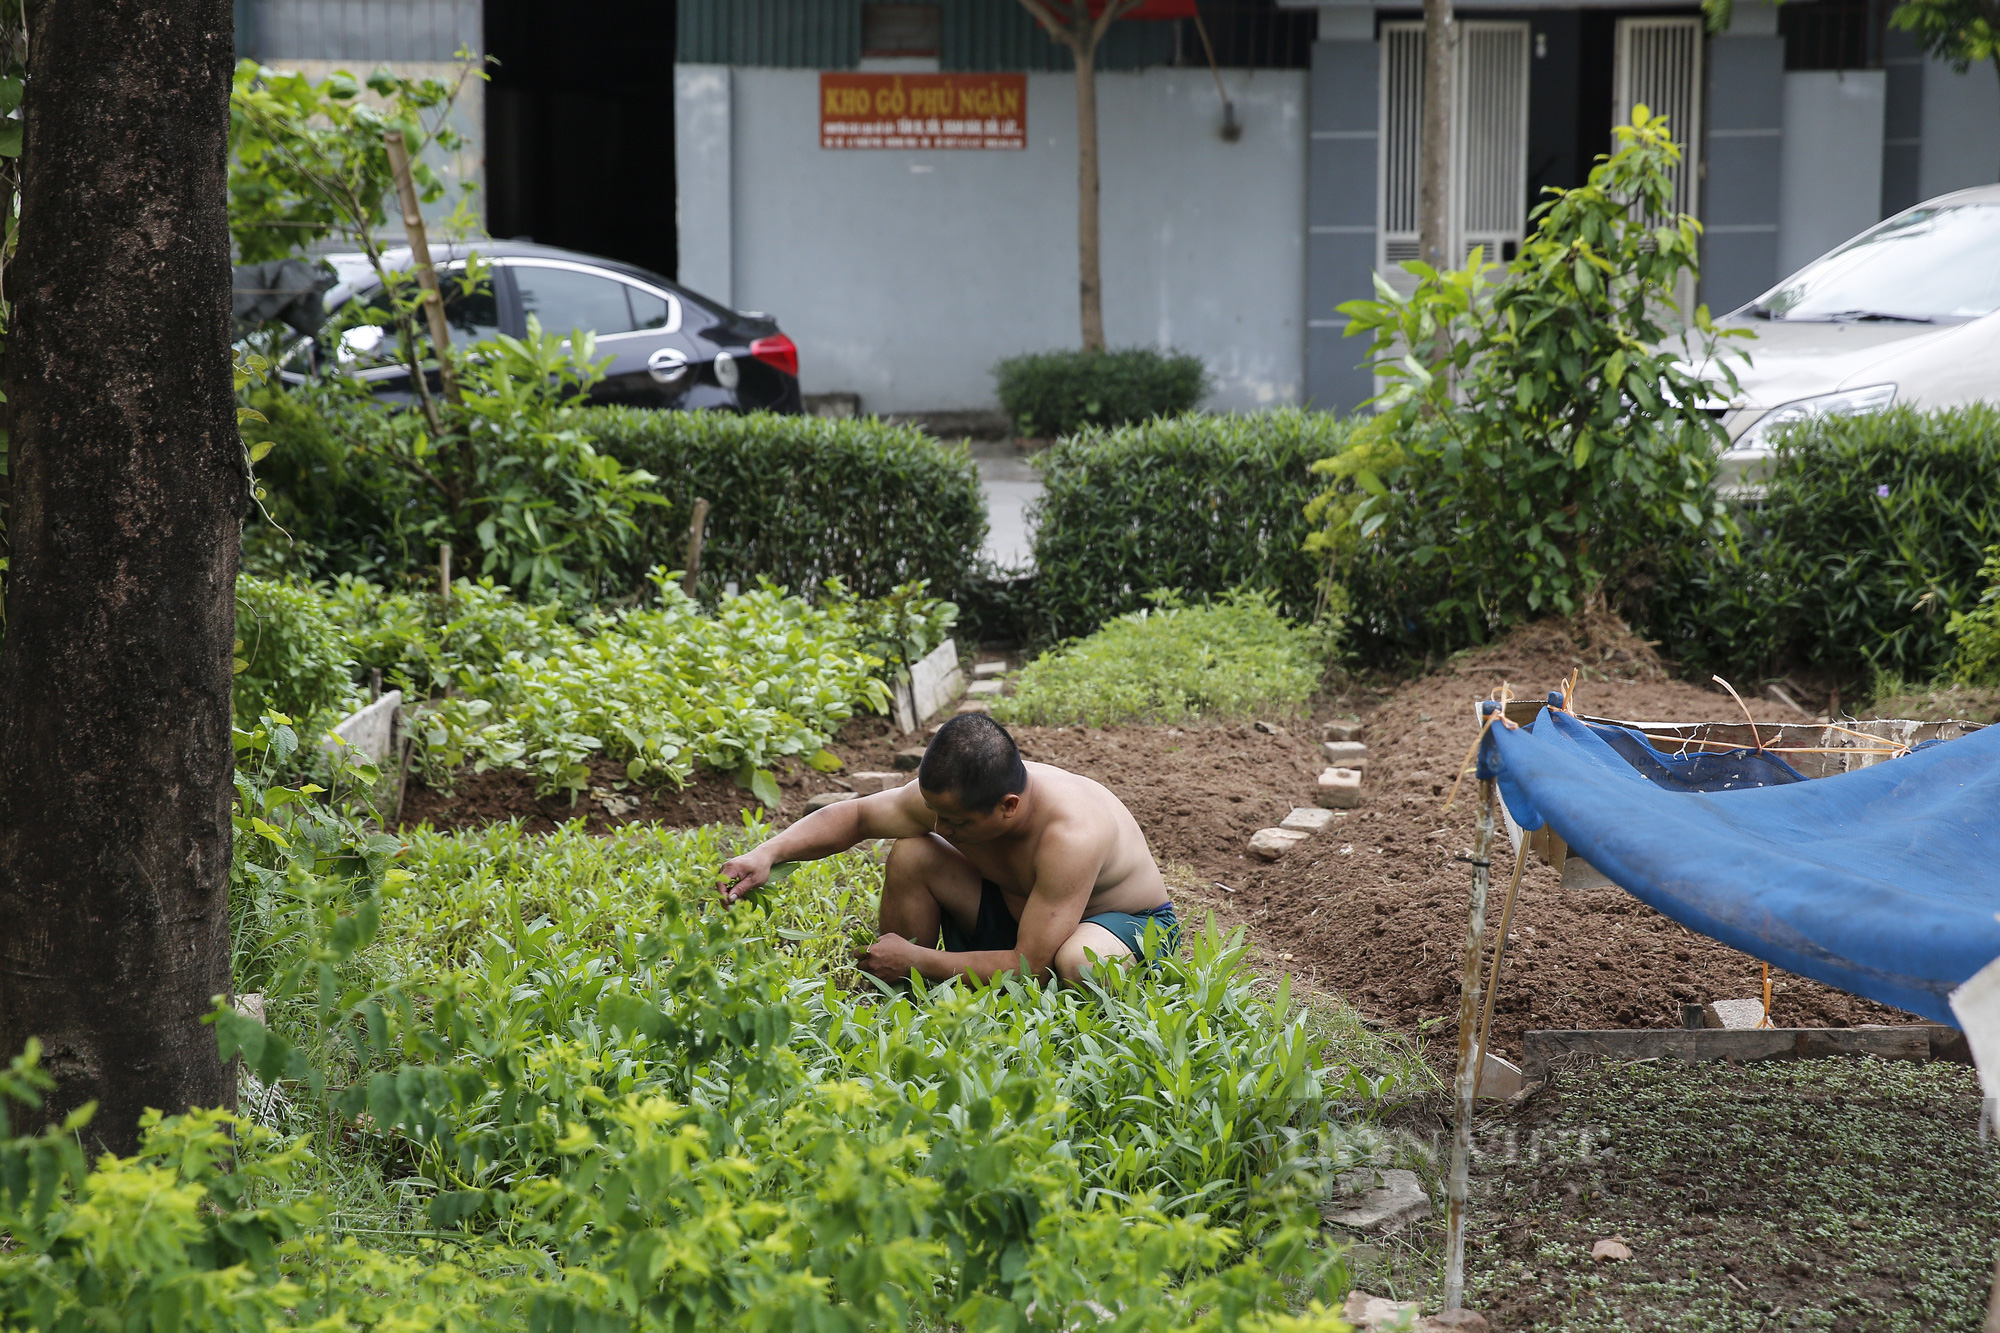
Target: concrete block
[(986, 689), (1734, 1013), (936, 681), (909, 760), (973, 706), (1382, 1201), (1269, 844), (370, 731), (1307, 819), (250, 1004), (867, 784), (1345, 754), (988, 670), (1498, 1078), (1340, 788), (826, 798), (1341, 731), (1267, 728)]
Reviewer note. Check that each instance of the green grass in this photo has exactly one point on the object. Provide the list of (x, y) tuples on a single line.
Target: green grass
[(1234, 658)]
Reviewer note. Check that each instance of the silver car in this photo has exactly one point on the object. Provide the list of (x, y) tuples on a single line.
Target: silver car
[(1908, 312)]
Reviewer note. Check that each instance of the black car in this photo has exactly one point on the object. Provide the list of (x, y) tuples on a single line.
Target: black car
[(669, 347)]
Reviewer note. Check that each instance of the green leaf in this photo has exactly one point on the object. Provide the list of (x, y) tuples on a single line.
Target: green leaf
[(764, 786)]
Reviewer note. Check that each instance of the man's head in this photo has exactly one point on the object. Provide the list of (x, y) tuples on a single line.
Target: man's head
[(972, 778)]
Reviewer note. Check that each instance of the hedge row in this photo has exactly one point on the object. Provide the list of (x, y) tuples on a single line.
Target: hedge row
[(799, 500), (1869, 536), (1200, 504)]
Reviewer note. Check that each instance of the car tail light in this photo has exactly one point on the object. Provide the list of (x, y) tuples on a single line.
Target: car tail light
[(779, 351)]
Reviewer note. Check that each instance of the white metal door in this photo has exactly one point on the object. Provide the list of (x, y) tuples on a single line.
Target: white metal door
[(1489, 142), (1658, 65)]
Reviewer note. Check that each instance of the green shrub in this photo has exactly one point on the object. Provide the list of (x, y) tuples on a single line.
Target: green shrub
[(1868, 540), (294, 654), (1050, 394), (800, 500), (1174, 663), (1197, 504), (1540, 449), (1977, 631)]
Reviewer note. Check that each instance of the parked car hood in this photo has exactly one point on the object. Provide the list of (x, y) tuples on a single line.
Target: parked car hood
[(1789, 360)]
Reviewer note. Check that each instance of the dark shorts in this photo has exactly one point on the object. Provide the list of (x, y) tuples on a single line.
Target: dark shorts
[(996, 928)]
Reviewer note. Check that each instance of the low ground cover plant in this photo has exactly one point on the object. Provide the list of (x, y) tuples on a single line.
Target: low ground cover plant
[(1051, 394), (1866, 546), (1541, 448), (1199, 504), (1233, 657), (603, 1100), (659, 688)]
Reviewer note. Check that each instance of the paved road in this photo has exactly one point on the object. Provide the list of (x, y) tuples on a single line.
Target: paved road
[(1010, 485)]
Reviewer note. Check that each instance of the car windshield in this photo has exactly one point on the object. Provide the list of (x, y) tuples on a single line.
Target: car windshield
[(1930, 265)]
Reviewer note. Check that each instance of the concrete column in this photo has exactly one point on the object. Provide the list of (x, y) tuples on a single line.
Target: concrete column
[(1340, 202), (704, 164), (1902, 122), (1961, 132), (1746, 118)]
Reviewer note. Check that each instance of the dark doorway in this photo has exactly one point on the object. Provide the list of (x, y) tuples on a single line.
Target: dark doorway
[(1569, 97), (580, 127)]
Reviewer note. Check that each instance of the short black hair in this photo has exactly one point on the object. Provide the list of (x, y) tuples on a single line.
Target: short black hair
[(973, 759)]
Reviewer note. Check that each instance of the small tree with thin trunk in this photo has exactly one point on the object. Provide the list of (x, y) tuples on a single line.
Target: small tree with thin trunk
[(1434, 178), (1955, 31), (129, 493), (1073, 25)]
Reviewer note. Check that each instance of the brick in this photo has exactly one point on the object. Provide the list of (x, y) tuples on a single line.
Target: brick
[(1307, 819), (1341, 731), (909, 760), (972, 706), (1734, 1013), (1340, 788), (1345, 754), (826, 798), (1271, 843), (988, 670), (869, 783), (985, 689)]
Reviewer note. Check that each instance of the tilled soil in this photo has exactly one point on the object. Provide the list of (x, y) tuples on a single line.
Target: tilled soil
[(1375, 907)]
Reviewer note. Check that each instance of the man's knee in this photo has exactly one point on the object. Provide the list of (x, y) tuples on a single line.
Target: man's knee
[(1074, 958)]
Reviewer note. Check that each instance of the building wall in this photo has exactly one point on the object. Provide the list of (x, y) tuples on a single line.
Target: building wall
[(904, 275), (1961, 128), (1830, 178)]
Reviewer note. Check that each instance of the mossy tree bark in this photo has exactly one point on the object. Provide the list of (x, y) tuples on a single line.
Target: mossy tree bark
[(115, 756)]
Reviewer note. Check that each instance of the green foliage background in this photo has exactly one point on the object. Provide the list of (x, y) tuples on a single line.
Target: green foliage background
[(1868, 541), (1050, 394), (1197, 504)]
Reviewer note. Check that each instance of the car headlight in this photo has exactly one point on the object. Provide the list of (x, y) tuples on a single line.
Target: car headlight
[(1848, 403)]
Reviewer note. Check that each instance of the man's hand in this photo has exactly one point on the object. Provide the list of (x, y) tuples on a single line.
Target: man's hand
[(890, 957), (741, 874)]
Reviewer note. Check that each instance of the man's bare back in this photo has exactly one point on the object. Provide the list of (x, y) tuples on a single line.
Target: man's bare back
[(1058, 851)]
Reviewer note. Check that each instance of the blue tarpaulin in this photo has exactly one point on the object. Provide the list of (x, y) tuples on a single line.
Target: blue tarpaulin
[(1884, 882)]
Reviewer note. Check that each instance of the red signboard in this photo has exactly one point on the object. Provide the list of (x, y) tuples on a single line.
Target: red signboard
[(927, 111)]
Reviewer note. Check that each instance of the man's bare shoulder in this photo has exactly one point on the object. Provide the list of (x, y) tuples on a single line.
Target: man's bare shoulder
[(1074, 808)]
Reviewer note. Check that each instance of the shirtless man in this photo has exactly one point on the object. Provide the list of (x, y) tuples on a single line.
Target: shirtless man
[(1021, 867)]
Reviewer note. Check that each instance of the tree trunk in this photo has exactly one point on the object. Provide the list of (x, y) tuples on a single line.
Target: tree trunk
[(1435, 213), (1090, 278), (115, 756)]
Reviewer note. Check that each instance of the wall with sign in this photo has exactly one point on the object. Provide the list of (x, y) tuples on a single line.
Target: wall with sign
[(904, 273)]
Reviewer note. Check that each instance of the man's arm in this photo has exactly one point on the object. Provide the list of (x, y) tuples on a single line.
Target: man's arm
[(891, 814), (1065, 874)]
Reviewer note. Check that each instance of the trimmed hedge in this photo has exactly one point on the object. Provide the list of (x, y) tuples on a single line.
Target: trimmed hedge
[(1870, 536), (1050, 394), (1199, 504), (800, 500)]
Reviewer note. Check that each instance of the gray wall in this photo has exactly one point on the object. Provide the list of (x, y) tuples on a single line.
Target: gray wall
[(1961, 128), (360, 30), (904, 275), (1830, 182), (1741, 193)]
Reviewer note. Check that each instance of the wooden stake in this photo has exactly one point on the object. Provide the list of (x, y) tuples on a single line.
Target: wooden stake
[(1458, 1184), (444, 570), (420, 257), (692, 570), (1493, 977)]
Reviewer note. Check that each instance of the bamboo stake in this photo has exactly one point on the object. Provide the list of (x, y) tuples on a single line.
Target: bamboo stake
[(1458, 1185), (420, 257), (692, 570), (1493, 976)]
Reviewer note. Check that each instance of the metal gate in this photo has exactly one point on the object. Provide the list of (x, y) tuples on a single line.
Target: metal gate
[(1489, 142), (1658, 65)]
